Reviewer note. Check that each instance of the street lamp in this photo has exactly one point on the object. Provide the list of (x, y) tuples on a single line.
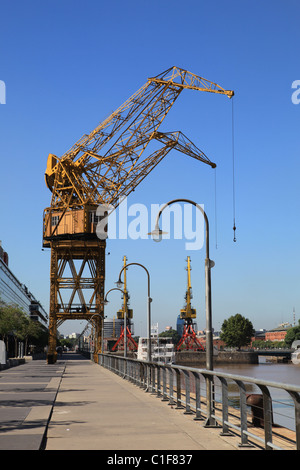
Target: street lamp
[(157, 236), (105, 302), (119, 283)]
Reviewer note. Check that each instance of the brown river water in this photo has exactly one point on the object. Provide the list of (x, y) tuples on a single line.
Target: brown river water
[(284, 373)]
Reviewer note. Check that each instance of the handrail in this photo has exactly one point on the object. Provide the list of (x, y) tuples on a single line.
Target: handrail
[(181, 386)]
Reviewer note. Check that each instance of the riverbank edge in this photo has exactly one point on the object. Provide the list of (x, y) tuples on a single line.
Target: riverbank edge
[(223, 357)]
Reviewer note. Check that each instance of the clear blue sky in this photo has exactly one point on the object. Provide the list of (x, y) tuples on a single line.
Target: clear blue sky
[(68, 64)]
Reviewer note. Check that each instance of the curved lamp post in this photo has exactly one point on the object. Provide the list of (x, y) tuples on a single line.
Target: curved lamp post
[(105, 301), (119, 283), (157, 236)]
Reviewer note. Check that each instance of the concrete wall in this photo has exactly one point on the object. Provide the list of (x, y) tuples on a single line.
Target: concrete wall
[(223, 357), (12, 363)]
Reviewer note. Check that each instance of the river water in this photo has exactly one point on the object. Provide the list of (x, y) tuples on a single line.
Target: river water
[(285, 373)]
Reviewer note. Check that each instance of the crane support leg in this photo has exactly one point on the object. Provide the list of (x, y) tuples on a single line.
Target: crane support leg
[(77, 267), (189, 340), (132, 345)]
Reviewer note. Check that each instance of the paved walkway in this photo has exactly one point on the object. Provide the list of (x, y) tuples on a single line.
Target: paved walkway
[(27, 394), (86, 407)]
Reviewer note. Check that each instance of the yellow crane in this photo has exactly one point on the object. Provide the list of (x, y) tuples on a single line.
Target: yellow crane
[(188, 312), (189, 339), (101, 168)]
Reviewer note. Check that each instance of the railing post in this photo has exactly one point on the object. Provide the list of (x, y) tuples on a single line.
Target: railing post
[(133, 372), (141, 375), (296, 398), (148, 377), (164, 388), (136, 373), (225, 428), (143, 372), (210, 419), (198, 416), (187, 393), (178, 389), (152, 381), (243, 415), (267, 413), (171, 387), (158, 375)]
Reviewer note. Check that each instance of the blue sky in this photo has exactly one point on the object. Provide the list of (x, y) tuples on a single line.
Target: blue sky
[(68, 64)]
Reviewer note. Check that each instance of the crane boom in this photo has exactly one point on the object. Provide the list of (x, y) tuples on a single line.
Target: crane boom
[(96, 169)]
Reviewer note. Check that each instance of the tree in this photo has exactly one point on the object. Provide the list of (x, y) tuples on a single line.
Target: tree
[(170, 334), (5, 322), (11, 317), (237, 331), (292, 334), (18, 318), (15, 324), (30, 329)]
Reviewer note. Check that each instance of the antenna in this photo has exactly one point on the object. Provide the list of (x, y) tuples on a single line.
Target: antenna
[(294, 317)]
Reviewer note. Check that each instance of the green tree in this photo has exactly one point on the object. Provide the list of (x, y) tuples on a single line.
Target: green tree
[(170, 334), (16, 324), (12, 320), (292, 334), (237, 331), (6, 325), (31, 329)]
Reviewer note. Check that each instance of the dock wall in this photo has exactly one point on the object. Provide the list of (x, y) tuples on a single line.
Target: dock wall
[(223, 357)]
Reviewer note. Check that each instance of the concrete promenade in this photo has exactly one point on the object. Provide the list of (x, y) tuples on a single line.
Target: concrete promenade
[(78, 405)]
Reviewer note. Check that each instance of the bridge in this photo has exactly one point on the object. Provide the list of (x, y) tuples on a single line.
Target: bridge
[(286, 353)]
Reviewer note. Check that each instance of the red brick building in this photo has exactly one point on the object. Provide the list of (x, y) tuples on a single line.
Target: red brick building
[(278, 334)]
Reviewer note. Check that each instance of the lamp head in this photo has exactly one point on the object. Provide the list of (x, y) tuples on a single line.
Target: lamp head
[(157, 234)]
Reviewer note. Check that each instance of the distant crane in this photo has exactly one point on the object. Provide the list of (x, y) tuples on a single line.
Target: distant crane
[(189, 339), (126, 328), (100, 169)]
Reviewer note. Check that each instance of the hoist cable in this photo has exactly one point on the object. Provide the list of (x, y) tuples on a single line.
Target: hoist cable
[(233, 175), (216, 227)]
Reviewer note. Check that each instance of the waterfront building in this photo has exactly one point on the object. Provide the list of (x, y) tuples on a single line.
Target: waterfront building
[(180, 325), (12, 291), (279, 333)]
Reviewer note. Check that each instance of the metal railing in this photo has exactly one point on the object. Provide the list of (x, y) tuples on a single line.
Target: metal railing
[(230, 408)]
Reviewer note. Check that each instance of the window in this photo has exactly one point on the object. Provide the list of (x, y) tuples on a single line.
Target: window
[(54, 220), (94, 219)]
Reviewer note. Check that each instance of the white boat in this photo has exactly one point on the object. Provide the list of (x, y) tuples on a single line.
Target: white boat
[(295, 356), (162, 349)]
